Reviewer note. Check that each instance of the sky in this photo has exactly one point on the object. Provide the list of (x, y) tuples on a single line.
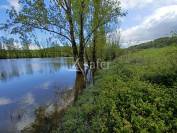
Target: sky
[(145, 20)]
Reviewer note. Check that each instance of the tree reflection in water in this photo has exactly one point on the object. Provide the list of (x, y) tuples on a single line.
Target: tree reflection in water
[(26, 84), (12, 68), (48, 117)]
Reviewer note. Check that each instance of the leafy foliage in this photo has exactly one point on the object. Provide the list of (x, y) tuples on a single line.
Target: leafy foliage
[(67, 20), (158, 43), (127, 97), (64, 51)]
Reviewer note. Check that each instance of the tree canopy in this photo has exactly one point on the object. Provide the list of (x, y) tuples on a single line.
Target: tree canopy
[(70, 21)]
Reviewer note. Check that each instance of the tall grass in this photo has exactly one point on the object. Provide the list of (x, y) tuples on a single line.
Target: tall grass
[(137, 94)]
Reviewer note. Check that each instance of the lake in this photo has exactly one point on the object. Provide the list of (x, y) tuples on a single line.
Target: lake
[(26, 84)]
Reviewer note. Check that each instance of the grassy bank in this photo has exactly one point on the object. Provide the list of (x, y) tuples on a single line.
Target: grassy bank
[(137, 94), (157, 43)]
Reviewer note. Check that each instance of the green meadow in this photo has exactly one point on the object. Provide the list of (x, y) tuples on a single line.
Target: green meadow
[(138, 93)]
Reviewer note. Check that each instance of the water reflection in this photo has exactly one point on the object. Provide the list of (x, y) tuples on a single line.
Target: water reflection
[(26, 84), (11, 68), (48, 117)]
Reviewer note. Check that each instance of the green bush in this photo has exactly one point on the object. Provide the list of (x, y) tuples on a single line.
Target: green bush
[(137, 94)]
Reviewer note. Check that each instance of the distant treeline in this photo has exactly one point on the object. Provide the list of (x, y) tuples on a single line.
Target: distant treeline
[(157, 43), (107, 52), (48, 52)]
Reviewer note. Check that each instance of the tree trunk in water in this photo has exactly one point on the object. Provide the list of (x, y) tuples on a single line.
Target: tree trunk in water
[(80, 84), (87, 57)]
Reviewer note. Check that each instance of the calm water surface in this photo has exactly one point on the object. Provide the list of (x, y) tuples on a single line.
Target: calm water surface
[(26, 84)]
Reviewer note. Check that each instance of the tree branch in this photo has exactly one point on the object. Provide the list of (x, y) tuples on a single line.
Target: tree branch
[(91, 33), (46, 29)]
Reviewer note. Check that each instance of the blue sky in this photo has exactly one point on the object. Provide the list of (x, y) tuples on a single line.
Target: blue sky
[(8, 4), (146, 19)]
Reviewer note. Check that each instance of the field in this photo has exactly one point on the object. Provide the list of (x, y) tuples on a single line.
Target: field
[(137, 94)]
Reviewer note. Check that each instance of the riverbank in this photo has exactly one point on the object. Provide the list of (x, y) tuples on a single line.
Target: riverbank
[(138, 93)]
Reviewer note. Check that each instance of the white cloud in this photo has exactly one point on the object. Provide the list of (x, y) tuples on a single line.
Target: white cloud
[(5, 101), (12, 3), (134, 4), (28, 99), (15, 4), (45, 85), (129, 4), (159, 24)]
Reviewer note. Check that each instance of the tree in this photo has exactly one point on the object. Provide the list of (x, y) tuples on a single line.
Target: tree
[(99, 37), (8, 43), (25, 41), (70, 20), (1, 44)]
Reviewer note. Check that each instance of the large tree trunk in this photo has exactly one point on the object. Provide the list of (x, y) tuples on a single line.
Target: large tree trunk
[(94, 57), (87, 57), (81, 47), (80, 84), (74, 46), (70, 20), (95, 34)]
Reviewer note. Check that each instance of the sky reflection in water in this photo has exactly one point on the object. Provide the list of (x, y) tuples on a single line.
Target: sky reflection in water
[(28, 83)]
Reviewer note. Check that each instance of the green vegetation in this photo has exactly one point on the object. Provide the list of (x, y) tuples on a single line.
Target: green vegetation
[(48, 52), (157, 43), (137, 94), (72, 22), (139, 91), (109, 52)]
